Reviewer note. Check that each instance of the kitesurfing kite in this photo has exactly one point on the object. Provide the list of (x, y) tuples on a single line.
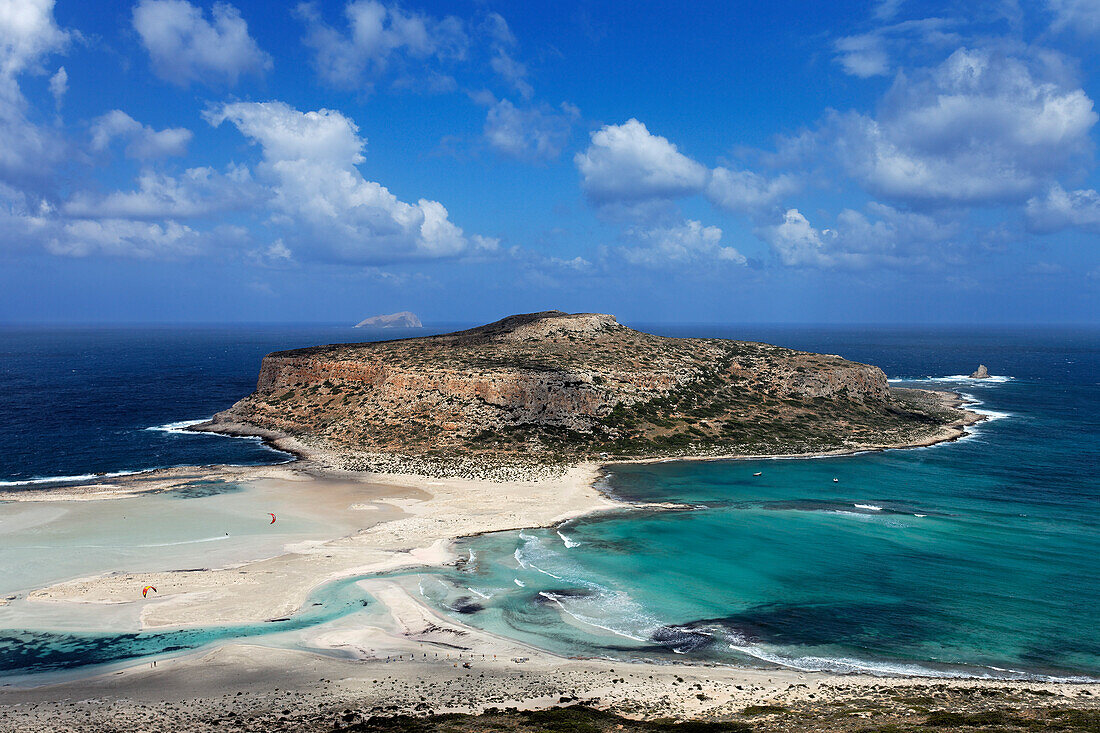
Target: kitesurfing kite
[(146, 589), (272, 518)]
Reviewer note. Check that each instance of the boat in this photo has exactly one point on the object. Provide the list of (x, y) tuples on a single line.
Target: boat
[(758, 473)]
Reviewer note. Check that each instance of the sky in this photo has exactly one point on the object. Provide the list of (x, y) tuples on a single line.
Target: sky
[(873, 161)]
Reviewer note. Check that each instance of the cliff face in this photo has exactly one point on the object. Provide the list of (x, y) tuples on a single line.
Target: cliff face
[(573, 383)]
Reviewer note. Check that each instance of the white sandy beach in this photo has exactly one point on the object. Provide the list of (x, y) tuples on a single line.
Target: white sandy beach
[(407, 657)]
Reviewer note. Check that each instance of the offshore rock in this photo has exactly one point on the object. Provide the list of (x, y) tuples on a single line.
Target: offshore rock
[(404, 319)]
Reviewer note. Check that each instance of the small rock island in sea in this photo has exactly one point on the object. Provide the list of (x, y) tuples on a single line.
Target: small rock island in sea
[(980, 373), (404, 319), (555, 387)]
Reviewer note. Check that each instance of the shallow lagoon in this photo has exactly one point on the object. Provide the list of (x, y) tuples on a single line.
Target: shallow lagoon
[(971, 558), (996, 577)]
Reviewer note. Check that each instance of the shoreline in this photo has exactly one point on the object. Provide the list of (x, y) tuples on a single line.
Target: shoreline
[(311, 459), (429, 515), (316, 457), (580, 481)]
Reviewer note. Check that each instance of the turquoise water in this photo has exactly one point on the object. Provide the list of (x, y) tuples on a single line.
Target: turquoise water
[(26, 652), (978, 557)]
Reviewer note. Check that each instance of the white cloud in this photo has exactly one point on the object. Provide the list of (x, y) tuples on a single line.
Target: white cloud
[(279, 251), (185, 47), (275, 255), (887, 9), (533, 133), (627, 164), (28, 152), (27, 220), (870, 54), (501, 42), (887, 237), (28, 33), (320, 201), (142, 141), (512, 71), (124, 238), (199, 192), (796, 241), (684, 243), (746, 192), (376, 36), (1080, 16), (59, 84), (979, 128), (1060, 209), (578, 263), (863, 55)]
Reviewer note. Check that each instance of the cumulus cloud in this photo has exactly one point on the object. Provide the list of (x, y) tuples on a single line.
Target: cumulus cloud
[(376, 36), (1060, 209), (747, 192), (142, 141), (887, 236), (185, 47), (198, 193), (684, 243), (29, 220), (322, 204), (626, 164), (122, 237), (796, 241), (631, 175), (28, 33), (980, 128), (529, 133)]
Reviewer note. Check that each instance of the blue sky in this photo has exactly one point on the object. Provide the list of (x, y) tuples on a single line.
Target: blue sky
[(853, 162)]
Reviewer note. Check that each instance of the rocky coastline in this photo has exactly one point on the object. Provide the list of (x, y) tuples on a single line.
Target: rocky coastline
[(530, 394)]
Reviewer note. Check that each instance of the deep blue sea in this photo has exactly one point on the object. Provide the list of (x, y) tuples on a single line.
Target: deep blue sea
[(978, 557), (79, 401)]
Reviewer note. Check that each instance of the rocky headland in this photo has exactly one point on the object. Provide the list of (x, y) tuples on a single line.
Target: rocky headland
[(554, 388)]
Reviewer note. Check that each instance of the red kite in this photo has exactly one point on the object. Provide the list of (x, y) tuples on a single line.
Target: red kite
[(272, 518)]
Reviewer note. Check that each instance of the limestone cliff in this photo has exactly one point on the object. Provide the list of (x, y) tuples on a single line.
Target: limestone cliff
[(576, 385)]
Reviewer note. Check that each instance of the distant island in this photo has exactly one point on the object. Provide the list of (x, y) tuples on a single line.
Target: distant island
[(554, 387), (404, 319)]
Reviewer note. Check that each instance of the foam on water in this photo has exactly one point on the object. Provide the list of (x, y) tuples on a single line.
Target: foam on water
[(760, 553), (180, 427), (566, 541), (83, 477), (599, 609), (989, 381), (794, 588)]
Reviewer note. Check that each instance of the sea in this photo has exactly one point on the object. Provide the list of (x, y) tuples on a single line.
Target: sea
[(975, 558)]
